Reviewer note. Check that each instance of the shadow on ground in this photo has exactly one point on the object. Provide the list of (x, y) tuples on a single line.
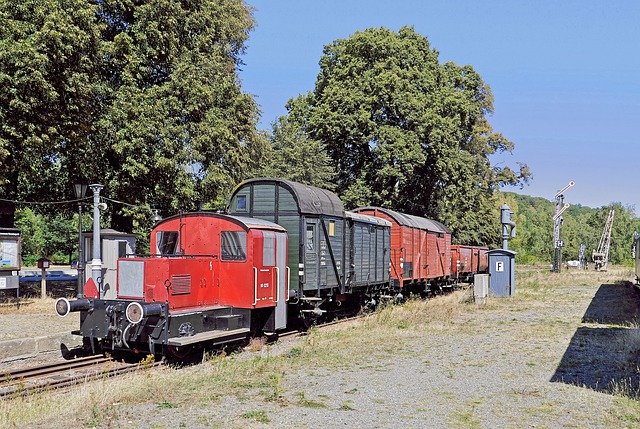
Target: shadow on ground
[(605, 354)]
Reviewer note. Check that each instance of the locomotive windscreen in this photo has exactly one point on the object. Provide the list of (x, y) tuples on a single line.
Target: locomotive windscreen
[(233, 245), (167, 242)]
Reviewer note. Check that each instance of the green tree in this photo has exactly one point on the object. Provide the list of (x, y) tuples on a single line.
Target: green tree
[(49, 92), (177, 125), (298, 157), (406, 131), (140, 96)]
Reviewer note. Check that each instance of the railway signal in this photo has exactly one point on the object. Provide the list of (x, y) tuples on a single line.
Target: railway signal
[(558, 244)]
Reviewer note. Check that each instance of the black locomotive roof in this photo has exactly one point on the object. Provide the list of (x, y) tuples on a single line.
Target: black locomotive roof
[(311, 200), (411, 220)]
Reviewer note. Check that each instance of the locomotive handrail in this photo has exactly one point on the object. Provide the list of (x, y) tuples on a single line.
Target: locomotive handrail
[(277, 283), (288, 284), (161, 255), (255, 286)]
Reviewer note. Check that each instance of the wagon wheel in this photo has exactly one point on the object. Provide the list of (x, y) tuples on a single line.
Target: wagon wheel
[(308, 320)]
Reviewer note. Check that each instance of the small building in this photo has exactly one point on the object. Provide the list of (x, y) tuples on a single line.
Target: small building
[(502, 271), (115, 244)]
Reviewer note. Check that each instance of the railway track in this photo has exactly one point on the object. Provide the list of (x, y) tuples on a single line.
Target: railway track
[(25, 381)]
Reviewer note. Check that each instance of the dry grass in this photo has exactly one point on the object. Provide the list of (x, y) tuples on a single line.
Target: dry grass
[(30, 306), (384, 333)]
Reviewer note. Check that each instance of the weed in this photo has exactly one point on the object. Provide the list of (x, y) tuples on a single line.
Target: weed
[(258, 416), (309, 403), (166, 405), (294, 352), (465, 419), (346, 406), (256, 344)]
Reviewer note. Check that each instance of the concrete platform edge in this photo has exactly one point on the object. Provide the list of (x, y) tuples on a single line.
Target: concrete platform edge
[(11, 350)]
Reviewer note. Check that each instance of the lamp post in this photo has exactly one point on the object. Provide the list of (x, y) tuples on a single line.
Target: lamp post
[(80, 190), (96, 262)]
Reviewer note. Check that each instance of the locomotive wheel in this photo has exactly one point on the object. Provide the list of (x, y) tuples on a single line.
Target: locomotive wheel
[(185, 355)]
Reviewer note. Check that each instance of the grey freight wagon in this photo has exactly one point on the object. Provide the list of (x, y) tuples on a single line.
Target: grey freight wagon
[(368, 242)]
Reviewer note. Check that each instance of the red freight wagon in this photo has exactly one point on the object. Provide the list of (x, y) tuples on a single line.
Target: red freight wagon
[(480, 259), (420, 248), (462, 262)]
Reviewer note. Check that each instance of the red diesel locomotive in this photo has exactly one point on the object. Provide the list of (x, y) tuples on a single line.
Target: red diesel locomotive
[(212, 279)]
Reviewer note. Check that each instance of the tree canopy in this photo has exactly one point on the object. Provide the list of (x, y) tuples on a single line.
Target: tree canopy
[(406, 131), (140, 96)]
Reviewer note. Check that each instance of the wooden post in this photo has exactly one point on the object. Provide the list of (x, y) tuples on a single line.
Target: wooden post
[(43, 283)]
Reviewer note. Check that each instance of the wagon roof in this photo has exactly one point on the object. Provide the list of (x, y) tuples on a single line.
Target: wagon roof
[(366, 218), (311, 200), (411, 220), (255, 223)]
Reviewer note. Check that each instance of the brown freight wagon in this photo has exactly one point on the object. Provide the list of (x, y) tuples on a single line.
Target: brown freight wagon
[(420, 249)]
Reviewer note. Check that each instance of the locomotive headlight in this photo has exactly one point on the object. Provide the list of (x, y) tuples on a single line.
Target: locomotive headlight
[(64, 306), (134, 312)]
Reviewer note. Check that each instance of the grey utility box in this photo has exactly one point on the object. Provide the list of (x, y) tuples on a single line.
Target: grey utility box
[(115, 245), (480, 288), (502, 271)]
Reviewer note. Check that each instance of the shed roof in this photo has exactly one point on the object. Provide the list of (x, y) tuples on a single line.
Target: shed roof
[(108, 232), (411, 220), (311, 200)]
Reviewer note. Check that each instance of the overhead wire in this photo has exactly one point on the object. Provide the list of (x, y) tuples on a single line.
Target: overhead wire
[(44, 202)]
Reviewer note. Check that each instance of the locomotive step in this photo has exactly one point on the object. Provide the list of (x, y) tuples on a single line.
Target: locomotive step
[(228, 322), (226, 336)]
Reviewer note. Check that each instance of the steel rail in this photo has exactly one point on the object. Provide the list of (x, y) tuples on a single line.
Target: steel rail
[(52, 376), (50, 368)]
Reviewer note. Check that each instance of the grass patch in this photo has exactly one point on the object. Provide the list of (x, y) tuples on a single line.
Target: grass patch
[(303, 401), (256, 415), (465, 420)]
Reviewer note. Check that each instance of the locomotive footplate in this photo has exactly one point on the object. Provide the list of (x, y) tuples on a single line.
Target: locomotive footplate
[(142, 327)]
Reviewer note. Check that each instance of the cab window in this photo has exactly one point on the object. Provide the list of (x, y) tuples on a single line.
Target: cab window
[(233, 245), (167, 242)]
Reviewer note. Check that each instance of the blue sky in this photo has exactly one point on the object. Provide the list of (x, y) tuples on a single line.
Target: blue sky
[(565, 76)]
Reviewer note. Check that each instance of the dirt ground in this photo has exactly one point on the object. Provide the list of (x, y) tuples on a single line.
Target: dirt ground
[(563, 353)]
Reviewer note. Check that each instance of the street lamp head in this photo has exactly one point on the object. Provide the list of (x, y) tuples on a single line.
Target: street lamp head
[(156, 217), (80, 189)]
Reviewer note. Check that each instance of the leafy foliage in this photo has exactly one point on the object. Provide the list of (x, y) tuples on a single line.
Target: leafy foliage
[(49, 54), (406, 131), (53, 236), (140, 96)]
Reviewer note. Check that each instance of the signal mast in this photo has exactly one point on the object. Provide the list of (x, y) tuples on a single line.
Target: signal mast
[(558, 244)]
